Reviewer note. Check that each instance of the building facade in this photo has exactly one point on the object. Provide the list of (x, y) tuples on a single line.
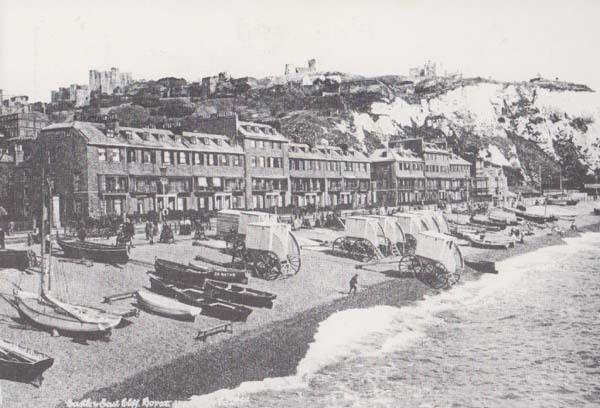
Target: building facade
[(398, 176), (325, 176), (412, 171), (104, 169), (14, 104), (99, 169)]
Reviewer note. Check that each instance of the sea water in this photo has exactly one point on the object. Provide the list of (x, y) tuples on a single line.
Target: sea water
[(527, 337)]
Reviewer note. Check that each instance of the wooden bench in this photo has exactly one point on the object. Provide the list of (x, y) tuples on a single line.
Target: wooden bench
[(222, 328)]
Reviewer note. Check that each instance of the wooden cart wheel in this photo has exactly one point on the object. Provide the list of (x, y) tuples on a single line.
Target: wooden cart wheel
[(338, 244), (292, 265), (453, 278), (408, 264), (364, 250), (434, 274)]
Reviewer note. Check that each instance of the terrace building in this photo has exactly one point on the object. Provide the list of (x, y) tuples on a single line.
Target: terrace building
[(101, 169), (436, 158), (328, 176), (398, 175), (265, 157), (460, 179)]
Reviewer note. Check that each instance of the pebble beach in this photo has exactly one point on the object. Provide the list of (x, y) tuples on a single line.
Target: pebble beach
[(159, 359)]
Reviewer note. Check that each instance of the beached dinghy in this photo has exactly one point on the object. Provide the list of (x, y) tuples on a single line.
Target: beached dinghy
[(239, 294), (167, 306), (196, 297), (21, 364), (48, 316), (196, 275), (490, 243), (94, 251)]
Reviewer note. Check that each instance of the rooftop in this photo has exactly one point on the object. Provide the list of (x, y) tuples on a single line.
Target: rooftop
[(394, 154), (260, 131), (98, 134), (455, 159), (322, 152)]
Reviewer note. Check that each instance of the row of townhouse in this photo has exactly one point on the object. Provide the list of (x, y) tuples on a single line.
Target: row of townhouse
[(102, 168)]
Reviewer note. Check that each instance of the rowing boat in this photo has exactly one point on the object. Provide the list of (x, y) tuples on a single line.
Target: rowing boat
[(21, 364), (94, 251), (239, 294), (197, 297), (167, 306), (196, 275)]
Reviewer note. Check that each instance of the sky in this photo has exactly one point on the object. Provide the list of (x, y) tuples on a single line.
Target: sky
[(46, 44)]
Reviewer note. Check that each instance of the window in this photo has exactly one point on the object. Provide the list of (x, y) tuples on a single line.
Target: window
[(212, 159), (253, 161), (197, 158), (201, 182), (183, 158), (115, 155), (235, 160), (223, 160), (101, 154), (260, 144), (131, 156), (166, 157), (261, 161), (252, 143)]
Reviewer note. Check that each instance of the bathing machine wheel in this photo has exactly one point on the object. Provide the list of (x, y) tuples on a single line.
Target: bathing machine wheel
[(433, 274)]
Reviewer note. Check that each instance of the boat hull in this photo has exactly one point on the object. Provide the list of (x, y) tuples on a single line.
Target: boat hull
[(195, 275), (210, 307), (21, 364), (239, 295), (95, 252), (45, 316), (166, 306), (490, 245)]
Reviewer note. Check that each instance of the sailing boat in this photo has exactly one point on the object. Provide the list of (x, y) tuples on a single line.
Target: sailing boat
[(52, 314)]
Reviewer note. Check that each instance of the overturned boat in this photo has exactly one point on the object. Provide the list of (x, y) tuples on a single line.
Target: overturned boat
[(166, 306)]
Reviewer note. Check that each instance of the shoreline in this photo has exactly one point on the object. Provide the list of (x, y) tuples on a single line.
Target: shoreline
[(275, 349)]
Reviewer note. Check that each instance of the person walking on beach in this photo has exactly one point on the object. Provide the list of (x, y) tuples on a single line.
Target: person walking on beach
[(353, 284)]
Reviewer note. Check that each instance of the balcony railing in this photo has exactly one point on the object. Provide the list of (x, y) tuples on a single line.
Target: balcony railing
[(144, 188), (114, 189)]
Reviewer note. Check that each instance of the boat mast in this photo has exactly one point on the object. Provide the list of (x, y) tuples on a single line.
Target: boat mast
[(42, 225)]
